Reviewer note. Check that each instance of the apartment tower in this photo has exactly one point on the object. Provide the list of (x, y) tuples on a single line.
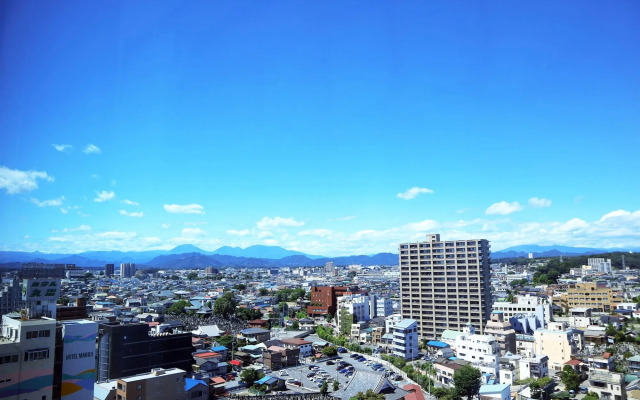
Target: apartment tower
[(445, 284)]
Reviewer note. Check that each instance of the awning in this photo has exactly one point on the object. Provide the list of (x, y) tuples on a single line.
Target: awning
[(235, 362), (436, 343)]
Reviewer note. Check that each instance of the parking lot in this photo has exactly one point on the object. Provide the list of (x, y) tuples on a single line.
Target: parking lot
[(312, 375)]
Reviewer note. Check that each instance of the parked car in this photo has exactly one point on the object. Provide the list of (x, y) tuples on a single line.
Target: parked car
[(311, 366), (342, 350), (330, 362), (344, 371), (310, 374)]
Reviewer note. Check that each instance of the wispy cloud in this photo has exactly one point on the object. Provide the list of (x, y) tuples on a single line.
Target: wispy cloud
[(537, 202), (276, 222), (165, 226), (104, 196), (15, 181), (132, 214), (63, 148), (316, 232), (243, 232), (503, 208), (413, 192), (184, 209), (48, 203), (92, 149), (192, 232), (131, 203)]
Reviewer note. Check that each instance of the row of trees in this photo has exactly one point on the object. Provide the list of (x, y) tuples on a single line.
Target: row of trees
[(224, 306)]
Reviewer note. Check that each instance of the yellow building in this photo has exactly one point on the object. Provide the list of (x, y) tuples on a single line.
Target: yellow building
[(598, 297)]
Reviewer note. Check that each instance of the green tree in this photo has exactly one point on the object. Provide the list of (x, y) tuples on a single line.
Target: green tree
[(263, 292), (467, 381), (174, 277), (177, 308), (192, 275), (250, 376), (294, 326), (240, 286), (591, 396), (336, 386), (330, 351), (226, 341), (440, 392), (301, 314), (225, 305), (346, 320), (368, 395), (329, 318), (248, 314), (570, 378), (324, 388)]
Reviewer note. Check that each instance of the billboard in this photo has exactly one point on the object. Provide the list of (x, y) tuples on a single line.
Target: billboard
[(78, 359)]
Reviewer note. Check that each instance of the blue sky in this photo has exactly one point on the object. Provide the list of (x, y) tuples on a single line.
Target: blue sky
[(144, 125)]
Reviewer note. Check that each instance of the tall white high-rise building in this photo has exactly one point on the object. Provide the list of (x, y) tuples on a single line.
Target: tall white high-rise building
[(445, 284)]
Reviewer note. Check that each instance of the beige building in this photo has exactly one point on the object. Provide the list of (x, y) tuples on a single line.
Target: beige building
[(161, 384), (445, 284), (503, 332), (558, 343), (598, 297)]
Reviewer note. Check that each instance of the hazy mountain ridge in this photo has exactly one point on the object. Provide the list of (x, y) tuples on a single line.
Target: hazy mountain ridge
[(188, 255)]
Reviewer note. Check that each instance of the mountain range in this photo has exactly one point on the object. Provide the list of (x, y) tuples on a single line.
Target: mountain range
[(188, 255)]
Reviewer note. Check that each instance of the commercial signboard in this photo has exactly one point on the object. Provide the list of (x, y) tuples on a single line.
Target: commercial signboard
[(78, 359)]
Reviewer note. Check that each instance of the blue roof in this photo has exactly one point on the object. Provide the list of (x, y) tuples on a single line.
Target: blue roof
[(219, 348), (489, 389), (436, 343), (190, 383), (406, 323), (263, 380)]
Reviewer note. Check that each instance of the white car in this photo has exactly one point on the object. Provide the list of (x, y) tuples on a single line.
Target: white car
[(284, 373)]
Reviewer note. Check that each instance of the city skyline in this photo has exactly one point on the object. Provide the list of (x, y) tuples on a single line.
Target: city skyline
[(330, 129)]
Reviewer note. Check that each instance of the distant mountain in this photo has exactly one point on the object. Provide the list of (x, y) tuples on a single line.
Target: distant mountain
[(186, 248), (260, 251), (550, 251)]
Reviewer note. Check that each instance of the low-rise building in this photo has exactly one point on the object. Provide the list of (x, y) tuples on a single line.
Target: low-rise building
[(607, 385), (405, 339), (160, 383)]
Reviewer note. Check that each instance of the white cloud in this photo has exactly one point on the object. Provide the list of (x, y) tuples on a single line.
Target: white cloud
[(62, 147), (152, 240), (104, 196), (539, 202), (130, 203), (132, 214), (184, 209), (64, 210), (92, 149), (15, 181), (413, 192), (316, 232), (243, 232), (270, 242), (116, 235), (427, 225), (264, 234), (615, 214), (48, 203), (192, 232), (503, 208), (81, 228), (276, 222), (165, 226)]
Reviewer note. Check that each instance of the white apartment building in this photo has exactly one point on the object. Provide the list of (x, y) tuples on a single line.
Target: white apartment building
[(558, 343), (525, 305), (391, 321), (27, 349), (405, 339), (357, 305), (445, 284), (384, 307), (482, 351)]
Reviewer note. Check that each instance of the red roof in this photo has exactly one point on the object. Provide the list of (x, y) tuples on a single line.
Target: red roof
[(574, 363), (218, 380), (208, 354), (415, 393)]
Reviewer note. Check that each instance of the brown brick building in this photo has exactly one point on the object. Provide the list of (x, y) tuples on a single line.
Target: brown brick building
[(324, 299)]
